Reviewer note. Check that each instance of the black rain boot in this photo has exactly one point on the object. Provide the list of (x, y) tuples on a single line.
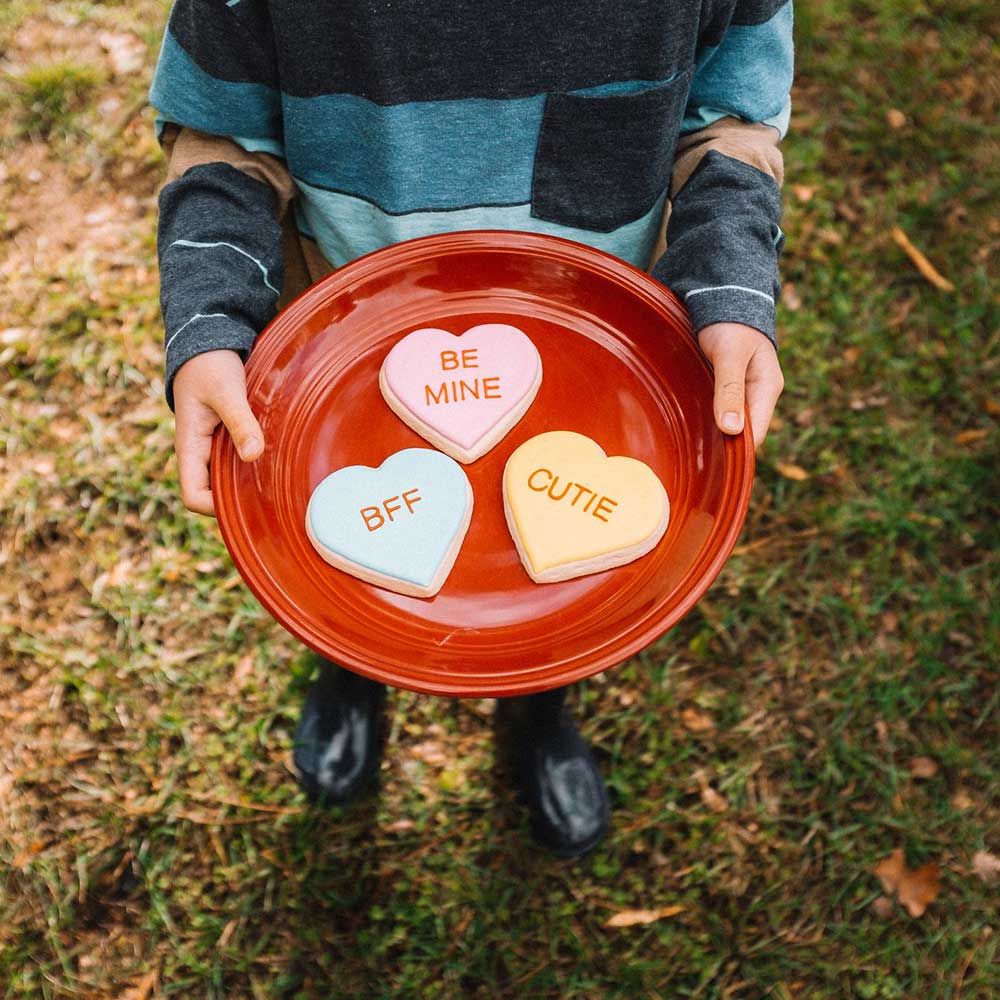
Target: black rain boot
[(338, 742), (554, 771)]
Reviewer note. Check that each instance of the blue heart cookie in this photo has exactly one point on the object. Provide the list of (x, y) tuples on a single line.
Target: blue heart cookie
[(399, 526)]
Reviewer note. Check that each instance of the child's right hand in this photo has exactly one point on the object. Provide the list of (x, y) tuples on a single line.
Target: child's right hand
[(209, 389)]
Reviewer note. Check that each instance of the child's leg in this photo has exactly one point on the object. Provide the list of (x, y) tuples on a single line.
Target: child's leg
[(554, 770), (340, 736)]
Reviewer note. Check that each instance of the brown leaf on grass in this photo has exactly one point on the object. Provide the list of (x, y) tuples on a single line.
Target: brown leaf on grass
[(126, 52), (790, 297), (243, 671), (629, 918), (400, 825), (22, 859), (430, 752), (916, 888), (696, 721), (985, 866), (927, 270), (844, 210), (971, 436), (227, 933), (882, 907), (789, 471), (992, 407), (895, 118), (923, 767), (804, 192), (143, 989), (901, 312), (716, 802), (961, 800)]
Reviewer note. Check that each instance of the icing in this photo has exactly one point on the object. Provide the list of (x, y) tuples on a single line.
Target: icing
[(462, 393), (399, 526), (572, 510)]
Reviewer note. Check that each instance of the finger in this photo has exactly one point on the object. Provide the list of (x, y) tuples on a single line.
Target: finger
[(193, 443), (762, 396), (764, 385), (232, 406), (762, 403), (730, 390)]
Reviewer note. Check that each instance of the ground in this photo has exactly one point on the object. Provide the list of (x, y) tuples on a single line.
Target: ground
[(833, 700)]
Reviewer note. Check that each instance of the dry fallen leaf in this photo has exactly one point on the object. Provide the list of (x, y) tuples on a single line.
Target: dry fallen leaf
[(928, 271), (790, 297), (804, 192), (895, 118), (430, 752), (243, 671), (400, 825), (961, 800), (629, 918), (971, 436), (882, 907), (916, 888), (143, 989), (923, 767), (992, 407), (985, 866), (22, 859), (696, 721), (716, 802), (790, 471), (126, 52)]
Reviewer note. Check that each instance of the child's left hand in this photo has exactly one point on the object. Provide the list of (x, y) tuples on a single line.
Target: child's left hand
[(746, 369)]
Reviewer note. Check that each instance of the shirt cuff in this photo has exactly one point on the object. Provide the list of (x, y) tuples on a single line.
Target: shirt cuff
[(732, 304), (201, 333)]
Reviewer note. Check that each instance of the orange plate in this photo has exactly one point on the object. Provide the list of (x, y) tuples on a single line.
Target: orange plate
[(619, 365)]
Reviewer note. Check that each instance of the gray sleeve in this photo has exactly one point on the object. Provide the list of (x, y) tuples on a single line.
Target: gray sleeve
[(219, 245), (724, 237), (723, 244)]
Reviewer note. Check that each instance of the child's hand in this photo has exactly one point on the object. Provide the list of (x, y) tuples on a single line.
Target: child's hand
[(210, 388), (746, 367)]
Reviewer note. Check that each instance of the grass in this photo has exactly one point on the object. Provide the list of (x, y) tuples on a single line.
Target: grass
[(52, 94), (151, 838)]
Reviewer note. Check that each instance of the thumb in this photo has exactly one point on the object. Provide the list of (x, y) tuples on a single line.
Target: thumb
[(234, 411), (730, 390)]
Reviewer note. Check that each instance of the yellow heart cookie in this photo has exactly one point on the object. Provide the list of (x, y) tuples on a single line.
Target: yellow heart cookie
[(572, 510)]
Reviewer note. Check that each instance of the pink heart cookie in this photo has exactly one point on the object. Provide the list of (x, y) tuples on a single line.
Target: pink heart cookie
[(462, 393)]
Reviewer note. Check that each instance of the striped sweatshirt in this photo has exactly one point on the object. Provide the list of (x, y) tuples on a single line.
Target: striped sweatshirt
[(304, 133)]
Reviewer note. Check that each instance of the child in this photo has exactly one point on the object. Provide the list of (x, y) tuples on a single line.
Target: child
[(302, 135)]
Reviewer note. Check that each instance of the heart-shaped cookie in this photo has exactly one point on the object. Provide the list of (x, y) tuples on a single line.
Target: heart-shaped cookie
[(399, 526), (572, 510), (462, 393)]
